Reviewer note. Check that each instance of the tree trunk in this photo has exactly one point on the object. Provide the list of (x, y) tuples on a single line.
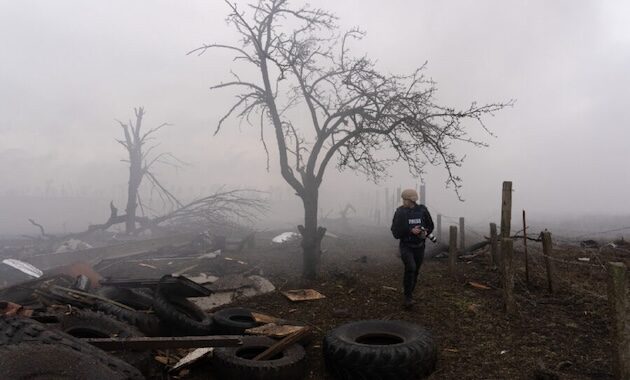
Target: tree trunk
[(135, 177), (312, 235)]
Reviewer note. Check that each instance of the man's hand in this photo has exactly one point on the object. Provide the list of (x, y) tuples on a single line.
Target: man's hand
[(418, 231)]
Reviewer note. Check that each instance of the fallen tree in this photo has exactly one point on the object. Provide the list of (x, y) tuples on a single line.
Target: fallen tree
[(229, 208)]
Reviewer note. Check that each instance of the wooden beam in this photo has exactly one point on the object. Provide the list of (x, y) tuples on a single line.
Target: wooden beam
[(151, 343), (283, 343)]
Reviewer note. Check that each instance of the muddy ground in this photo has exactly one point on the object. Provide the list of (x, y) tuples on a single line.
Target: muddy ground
[(565, 333)]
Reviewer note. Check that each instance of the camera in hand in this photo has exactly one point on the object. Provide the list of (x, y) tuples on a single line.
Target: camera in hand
[(430, 236)]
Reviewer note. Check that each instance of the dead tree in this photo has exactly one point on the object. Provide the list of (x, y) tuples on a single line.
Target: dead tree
[(354, 111), (140, 163)]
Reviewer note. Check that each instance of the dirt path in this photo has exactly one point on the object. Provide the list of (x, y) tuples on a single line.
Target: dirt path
[(564, 333)]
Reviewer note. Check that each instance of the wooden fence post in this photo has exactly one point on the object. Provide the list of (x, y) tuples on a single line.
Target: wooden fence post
[(508, 275), (452, 249), (618, 304), (546, 242), (462, 234), (525, 249), (438, 228), (423, 195), (386, 213), (506, 209), (494, 244)]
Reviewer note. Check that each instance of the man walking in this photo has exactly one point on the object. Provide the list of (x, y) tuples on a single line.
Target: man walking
[(411, 225)]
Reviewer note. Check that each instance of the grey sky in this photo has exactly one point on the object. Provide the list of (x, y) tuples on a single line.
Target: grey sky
[(70, 68)]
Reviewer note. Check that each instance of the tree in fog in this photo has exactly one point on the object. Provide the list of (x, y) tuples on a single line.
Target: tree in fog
[(140, 148), (358, 117)]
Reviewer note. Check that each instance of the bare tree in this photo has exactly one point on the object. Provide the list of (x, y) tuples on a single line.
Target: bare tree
[(355, 113), (140, 148)]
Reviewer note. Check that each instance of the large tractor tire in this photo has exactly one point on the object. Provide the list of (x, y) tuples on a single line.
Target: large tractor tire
[(376, 349), (237, 363), (90, 324), (17, 330), (39, 361)]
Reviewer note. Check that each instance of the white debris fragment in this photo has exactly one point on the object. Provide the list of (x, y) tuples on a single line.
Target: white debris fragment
[(210, 255), (252, 286), (72, 245), (285, 237), (192, 357), (24, 267), (203, 278), (586, 259)]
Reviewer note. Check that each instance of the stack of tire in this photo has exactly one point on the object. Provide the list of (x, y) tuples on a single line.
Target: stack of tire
[(156, 313), (29, 350), (377, 349)]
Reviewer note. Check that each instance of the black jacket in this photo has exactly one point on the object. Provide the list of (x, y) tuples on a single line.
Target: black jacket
[(405, 219)]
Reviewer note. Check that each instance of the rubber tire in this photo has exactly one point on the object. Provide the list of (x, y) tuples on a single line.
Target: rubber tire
[(96, 323), (182, 316), (229, 365), (233, 320), (148, 324), (139, 299), (91, 324), (414, 357), (38, 361), (16, 330)]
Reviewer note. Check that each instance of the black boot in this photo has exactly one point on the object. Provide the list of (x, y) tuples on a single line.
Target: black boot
[(408, 303)]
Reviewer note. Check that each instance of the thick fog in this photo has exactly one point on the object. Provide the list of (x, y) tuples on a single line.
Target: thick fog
[(69, 69)]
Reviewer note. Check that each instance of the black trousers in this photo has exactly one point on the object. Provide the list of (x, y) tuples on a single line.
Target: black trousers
[(412, 259)]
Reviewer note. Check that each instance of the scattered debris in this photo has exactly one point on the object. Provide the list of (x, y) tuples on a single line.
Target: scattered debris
[(192, 357), (229, 288), (210, 255), (77, 269), (589, 244), (585, 259), (72, 245), (285, 342), (286, 237), (147, 265), (390, 288), (264, 318), (24, 267), (203, 279), (10, 308), (478, 285), (303, 295), (273, 330)]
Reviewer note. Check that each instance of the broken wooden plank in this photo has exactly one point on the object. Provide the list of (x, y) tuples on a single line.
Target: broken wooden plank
[(282, 344), (303, 295), (192, 358), (150, 343), (264, 318), (273, 330)]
